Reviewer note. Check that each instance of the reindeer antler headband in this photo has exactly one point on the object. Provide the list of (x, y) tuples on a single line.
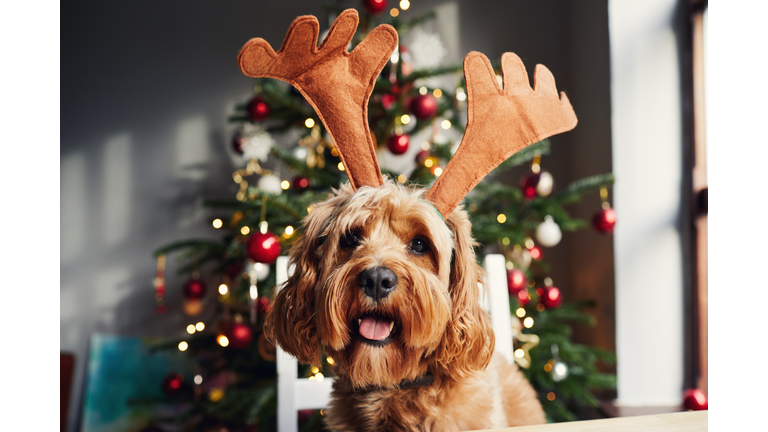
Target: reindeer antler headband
[(338, 85)]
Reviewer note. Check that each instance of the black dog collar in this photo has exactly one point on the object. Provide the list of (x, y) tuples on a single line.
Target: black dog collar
[(421, 381)]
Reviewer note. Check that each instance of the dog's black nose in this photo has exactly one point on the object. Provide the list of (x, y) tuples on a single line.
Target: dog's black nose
[(378, 282)]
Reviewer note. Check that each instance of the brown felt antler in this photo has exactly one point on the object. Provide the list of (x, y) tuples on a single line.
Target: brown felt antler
[(336, 83), (499, 123)]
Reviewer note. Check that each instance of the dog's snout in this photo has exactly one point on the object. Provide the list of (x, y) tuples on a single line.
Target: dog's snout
[(378, 282)]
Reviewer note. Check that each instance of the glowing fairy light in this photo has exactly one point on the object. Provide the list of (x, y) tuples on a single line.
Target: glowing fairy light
[(285, 184), (217, 223), (520, 312), (183, 346), (501, 218), (446, 124), (200, 326), (437, 93), (190, 329), (528, 322), (405, 119), (223, 289), (245, 230), (309, 123)]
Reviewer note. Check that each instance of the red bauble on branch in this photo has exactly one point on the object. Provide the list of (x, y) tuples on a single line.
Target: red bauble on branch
[(604, 220), (528, 185), (398, 144), (375, 6), (522, 297), (172, 384), (258, 109), (424, 106), (516, 281), (695, 399), (240, 336), (300, 184), (194, 289), (536, 253), (263, 248), (551, 297)]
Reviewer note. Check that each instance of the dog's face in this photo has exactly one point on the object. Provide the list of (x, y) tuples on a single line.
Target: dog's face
[(386, 287)]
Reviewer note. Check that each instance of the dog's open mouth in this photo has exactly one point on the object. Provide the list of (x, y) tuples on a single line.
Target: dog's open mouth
[(375, 329)]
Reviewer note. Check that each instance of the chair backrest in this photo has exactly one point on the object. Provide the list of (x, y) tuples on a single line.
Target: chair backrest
[(295, 393)]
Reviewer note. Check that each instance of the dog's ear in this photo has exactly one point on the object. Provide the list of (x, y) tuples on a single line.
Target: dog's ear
[(469, 340), (290, 322)]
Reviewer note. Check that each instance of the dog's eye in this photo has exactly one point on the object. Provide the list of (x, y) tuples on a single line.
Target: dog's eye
[(349, 240), (419, 246)]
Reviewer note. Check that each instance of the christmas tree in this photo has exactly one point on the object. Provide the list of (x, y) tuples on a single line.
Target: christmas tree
[(291, 163)]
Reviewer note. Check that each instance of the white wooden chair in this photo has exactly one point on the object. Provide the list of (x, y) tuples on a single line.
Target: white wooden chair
[(294, 393)]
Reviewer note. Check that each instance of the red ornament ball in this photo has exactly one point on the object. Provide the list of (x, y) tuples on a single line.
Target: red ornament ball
[(300, 184), (238, 142), (375, 6), (604, 220), (258, 109), (240, 336), (388, 100), (695, 399), (172, 384), (516, 281), (398, 144), (528, 184), (424, 106), (194, 289), (551, 297), (536, 253), (263, 248), (522, 298)]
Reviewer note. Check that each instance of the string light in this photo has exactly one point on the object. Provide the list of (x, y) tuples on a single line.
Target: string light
[(245, 230), (422, 90), (505, 241), (289, 230), (394, 12), (501, 218), (460, 95), (335, 152), (200, 326), (428, 163), (191, 328), (222, 340), (330, 360), (520, 312), (402, 178), (217, 223), (519, 353), (319, 376), (446, 124), (551, 396), (198, 379), (315, 370), (223, 289), (405, 4), (183, 346), (437, 171), (528, 322), (425, 146), (548, 366), (309, 123), (405, 119), (529, 243), (341, 166), (437, 93), (509, 265), (253, 292), (285, 184)]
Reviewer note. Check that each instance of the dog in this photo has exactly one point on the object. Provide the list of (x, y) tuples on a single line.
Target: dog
[(390, 290)]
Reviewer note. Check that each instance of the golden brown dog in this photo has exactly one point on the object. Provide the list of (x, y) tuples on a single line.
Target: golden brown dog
[(390, 290)]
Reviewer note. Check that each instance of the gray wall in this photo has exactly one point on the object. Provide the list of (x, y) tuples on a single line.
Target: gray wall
[(146, 89)]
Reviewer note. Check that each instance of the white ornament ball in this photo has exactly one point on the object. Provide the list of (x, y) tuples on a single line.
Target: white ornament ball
[(270, 183), (559, 371), (261, 271), (546, 182), (548, 233), (300, 153)]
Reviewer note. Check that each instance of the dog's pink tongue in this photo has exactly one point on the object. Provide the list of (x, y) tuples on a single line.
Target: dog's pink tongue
[(374, 329)]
